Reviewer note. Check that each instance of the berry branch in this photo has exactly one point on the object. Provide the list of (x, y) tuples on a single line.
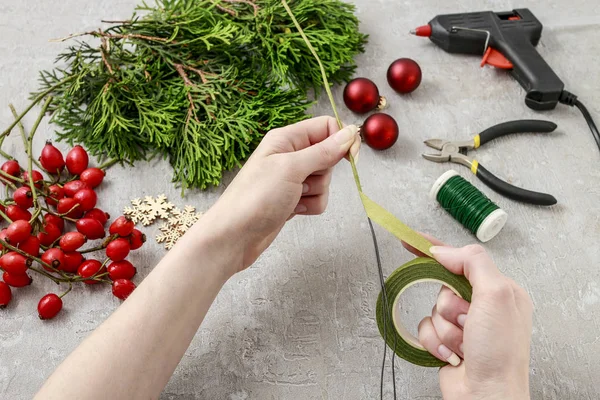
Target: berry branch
[(29, 151), (38, 241), (23, 137), (36, 100)]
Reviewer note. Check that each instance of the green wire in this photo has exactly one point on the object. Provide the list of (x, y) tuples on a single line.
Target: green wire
[(465, 203)]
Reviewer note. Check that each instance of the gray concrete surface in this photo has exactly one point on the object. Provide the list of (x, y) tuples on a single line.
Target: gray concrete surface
[(300, 323)]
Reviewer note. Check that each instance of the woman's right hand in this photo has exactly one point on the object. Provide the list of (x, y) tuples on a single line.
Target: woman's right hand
[(492, 334)]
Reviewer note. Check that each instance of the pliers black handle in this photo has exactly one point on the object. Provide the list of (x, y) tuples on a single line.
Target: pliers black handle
[(456, 152), (508, 128)]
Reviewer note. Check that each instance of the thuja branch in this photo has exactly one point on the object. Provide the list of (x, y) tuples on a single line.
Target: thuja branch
[(198, 85), (108, 164)]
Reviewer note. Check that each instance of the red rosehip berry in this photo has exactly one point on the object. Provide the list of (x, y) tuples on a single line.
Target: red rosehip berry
[(92, 176), (54, 257), (16, 213), (17, 280), (55, 193), (86, 198), (77, 160), (118, 249), (49, 306), (18, 231), (31, 245), (38, 178), (73, 187), (91, 228), (52, 159), (49, 235), (72, 241), (23, 197), (56, 220), (14, 263), (137, 239), (73, 260), (5, 294), (69, 207), (121, 270), (90, 268), (122, 288), (98, 215), (12, 168), (122, 226)]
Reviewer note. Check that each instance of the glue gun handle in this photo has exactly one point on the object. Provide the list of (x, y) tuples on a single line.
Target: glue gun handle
[(541, 83), (513, 192)]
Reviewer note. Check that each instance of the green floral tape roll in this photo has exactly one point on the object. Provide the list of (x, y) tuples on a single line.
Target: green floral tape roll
[(419, 270)]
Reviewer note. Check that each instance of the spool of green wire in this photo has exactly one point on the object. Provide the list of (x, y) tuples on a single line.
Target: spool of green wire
[(468, 205)]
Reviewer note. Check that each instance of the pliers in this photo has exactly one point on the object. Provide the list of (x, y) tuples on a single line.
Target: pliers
[(457, 152)]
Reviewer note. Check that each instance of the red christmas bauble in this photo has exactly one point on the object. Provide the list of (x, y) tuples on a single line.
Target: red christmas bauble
[(380, 131), (361, 95), (404, 75)]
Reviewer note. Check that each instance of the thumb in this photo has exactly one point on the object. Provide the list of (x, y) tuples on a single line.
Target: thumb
[(471, 261), (452, 381), (329, 152)]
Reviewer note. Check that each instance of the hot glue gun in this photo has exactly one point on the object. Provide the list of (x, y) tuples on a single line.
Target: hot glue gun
[(506, 40)]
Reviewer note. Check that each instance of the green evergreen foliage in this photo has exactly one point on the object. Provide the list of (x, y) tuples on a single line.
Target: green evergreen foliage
[(198, 81)]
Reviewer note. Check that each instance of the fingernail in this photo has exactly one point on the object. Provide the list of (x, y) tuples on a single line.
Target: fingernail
[(440, 249), (448, 355), (345, 135), (461, 319), (300, 208), (356, 156), (461, 349), (305, 188)]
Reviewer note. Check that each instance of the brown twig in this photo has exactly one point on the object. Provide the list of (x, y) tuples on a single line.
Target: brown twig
[(114, 36), (186, 79), (126, 21), (103, 52), (250, 3), (184, 76), (233, 12), (200, 73)]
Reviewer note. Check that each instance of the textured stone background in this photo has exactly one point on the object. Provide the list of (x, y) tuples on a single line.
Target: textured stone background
[(300, 323)]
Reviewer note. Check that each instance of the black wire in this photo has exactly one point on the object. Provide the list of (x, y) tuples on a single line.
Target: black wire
[(385, 307), (589, 120)]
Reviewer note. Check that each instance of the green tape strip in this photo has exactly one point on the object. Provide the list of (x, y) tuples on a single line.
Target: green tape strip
[(388, 221), (419, 270), (404, 344)]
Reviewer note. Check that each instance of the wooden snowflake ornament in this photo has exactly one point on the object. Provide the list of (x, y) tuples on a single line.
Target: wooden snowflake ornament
[(146, 211), (177, 224), (149, 210)]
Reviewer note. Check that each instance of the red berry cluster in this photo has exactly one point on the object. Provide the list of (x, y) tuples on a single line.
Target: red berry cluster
[(67, 199)]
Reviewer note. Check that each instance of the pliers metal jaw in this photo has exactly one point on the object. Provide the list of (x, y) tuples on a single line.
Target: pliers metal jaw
[(456, 152), (450, 151)]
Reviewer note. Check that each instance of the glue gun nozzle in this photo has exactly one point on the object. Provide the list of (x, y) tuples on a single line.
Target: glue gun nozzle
[(413, 31), (424, 31)]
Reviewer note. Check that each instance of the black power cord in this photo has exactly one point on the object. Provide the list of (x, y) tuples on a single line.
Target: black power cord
[(570, 99)]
